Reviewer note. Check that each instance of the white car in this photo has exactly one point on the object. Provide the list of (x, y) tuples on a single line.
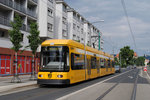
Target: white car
[(117, 69)]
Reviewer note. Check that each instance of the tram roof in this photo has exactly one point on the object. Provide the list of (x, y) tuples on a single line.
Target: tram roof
[(62, 42), (73, 43)]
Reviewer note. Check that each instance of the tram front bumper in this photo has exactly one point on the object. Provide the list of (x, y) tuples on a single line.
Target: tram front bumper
[(53, 82)]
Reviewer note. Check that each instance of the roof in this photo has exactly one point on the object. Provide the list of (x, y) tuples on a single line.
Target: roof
[(62, 42), (74, 44)]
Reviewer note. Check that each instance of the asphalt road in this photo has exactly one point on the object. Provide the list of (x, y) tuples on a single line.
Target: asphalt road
[(120, 87)]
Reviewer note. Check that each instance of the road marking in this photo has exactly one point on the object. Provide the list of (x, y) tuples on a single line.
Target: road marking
[(130, 77), (66, 96), (148, 75)]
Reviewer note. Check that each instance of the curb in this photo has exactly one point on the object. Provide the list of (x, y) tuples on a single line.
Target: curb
[(17, 85)]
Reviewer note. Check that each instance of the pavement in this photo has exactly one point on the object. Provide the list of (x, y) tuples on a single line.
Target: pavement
[(94, 90), (121, 91), (6, 84)]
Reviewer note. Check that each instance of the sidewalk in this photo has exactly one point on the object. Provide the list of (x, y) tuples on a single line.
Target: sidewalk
[(5, 82), (148, 70)]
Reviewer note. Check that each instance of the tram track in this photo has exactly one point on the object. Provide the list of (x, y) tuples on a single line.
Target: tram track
[(133, 96)]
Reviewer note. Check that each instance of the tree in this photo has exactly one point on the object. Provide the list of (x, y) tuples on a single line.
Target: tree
[(16, 39), (140, 61), (126, 56), (34, 42)]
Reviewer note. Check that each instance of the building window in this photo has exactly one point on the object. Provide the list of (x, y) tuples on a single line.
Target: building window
[(64, 32), (50, 27), (50, 12), (2, 34), (64, 20), (74, 37), (74, 26), (74, 14), (78, 28), (50, 1), (78, 37), (82, 31), (22, 35), (64, 8)]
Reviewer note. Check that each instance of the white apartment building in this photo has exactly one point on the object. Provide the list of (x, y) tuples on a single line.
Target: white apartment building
[(26, 9), (102, 42), (79, 29), (95, 38), (61, 24), (87, 31), (46, 19), (75, 25)]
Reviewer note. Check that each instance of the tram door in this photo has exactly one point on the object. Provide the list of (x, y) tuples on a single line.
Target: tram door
[(88, 68)]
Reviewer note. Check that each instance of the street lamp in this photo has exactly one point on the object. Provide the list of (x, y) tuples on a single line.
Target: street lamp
[(99, 35)]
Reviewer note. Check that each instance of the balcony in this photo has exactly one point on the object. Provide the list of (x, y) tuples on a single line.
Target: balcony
[(31, 13), (7, 3), (19, 7), (4, 21)]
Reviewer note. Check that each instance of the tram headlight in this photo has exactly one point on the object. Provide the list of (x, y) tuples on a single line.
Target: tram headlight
[(59, 76), (40, 75)]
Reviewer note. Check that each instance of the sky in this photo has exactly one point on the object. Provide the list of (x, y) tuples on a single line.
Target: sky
[(115, 29)]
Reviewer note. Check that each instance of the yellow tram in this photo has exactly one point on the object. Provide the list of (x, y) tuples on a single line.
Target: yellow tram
[(66, 61)]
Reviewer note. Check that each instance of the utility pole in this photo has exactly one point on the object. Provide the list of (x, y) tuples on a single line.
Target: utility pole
[(120, 61), (99, 41), (99, 34)]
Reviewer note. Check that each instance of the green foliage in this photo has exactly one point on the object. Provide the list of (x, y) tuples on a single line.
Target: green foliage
[(126, 56), (140, 61), (15, 34), (78, 40), (88, 45), (148, 63), (34, 39), (116, 61)]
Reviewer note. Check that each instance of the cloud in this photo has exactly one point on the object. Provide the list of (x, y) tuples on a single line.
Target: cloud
[(115, 28)]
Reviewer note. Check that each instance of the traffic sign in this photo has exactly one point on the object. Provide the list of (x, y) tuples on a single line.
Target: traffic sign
[(145, 69)]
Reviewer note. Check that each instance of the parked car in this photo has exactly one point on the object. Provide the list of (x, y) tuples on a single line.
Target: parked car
[(117, 69)]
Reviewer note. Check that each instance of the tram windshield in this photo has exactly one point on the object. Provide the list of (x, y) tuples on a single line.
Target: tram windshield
[(54, 58)]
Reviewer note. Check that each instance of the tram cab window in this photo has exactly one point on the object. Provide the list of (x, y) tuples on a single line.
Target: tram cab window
[(77, 61), (54, 58), (102, 63)]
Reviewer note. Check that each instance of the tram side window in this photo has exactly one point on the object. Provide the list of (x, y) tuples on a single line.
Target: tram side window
[(102, 63), (109, 65), (93, 62), (77, 61), (113, 63), (98, 64), (105, 63)]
